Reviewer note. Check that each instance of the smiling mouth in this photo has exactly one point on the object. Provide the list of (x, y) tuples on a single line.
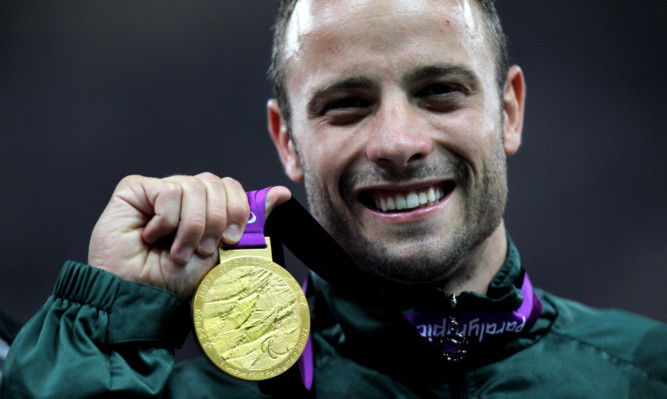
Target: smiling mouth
[(391, 201)]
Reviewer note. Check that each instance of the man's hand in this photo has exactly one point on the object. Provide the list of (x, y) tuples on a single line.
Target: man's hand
[(166, 232)]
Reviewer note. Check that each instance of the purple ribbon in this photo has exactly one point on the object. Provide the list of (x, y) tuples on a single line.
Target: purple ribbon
[(306, 364), (253, 237), (478, 326)]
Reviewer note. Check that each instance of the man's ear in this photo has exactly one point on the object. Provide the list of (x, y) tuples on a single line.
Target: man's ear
[(283, 141), (514, 95)]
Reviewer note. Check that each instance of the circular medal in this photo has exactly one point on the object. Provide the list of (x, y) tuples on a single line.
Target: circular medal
[(251, 318)]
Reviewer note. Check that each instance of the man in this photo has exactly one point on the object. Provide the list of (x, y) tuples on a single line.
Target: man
[(397, 116)]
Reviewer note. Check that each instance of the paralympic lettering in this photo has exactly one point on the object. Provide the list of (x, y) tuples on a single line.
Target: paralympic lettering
[(472, 328)]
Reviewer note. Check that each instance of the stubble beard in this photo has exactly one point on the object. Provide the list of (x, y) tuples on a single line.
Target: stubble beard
[(430, 259)]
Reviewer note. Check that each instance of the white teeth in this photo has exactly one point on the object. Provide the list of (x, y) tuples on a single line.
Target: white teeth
[(431, 194), (383, 204), (401, 202), (413, 200), (409, 200), (422, 198)]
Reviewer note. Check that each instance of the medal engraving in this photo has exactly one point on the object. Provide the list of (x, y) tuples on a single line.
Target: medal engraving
[(250, 316)]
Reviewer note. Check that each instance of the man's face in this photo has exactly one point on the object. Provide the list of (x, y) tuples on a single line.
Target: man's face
[(397, 131)]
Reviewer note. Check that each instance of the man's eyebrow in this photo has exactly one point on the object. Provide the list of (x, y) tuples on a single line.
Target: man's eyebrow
[(355, 82), (438, 70)]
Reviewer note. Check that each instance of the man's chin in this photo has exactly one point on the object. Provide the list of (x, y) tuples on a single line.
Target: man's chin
[(411, 267), (410, 276)]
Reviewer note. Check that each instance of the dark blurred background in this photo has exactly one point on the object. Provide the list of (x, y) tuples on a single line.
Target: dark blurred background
[(91, 91)]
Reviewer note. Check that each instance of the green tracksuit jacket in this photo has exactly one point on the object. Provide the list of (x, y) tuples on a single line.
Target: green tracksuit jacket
[(99, 336)]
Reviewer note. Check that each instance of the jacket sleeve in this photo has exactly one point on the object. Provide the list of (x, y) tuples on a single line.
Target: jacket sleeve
[(97, 336)]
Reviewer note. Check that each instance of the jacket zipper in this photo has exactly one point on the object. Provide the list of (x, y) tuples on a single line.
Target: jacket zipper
[(457, 387)]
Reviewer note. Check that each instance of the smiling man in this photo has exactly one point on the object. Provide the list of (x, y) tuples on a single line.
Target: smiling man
[(398, 116), (399, 124)]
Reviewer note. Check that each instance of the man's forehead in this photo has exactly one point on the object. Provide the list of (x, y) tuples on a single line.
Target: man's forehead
[(309, 16)]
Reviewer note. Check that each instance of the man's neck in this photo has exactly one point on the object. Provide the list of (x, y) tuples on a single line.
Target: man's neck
[(476, 271)]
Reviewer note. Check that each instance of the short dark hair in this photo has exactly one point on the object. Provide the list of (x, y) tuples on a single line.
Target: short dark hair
[(277, 73)]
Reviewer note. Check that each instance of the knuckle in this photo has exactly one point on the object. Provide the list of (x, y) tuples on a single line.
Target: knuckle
[(208, 176), (195, 183), (171, 189), (239, 213), (217, 221), (191, 181), (169, 222), (195, 224), (174, 178), (185, 185), (129, 180), (231, 182)]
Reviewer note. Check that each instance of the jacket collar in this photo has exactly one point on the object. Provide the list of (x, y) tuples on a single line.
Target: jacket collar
[(372, 329)]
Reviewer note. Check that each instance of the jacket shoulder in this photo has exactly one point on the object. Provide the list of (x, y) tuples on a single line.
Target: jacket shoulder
[(621, 336)]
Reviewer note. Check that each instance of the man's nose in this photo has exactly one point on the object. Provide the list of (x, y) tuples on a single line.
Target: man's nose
[(398, 137)]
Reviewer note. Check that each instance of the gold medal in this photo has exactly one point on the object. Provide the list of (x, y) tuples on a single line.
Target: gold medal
[(251, 317)]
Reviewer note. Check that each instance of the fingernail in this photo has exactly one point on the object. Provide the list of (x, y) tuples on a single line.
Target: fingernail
[(185, 253), (232, 233), (208, 245)]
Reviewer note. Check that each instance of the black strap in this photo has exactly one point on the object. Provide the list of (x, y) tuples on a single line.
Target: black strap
[(292, 225)]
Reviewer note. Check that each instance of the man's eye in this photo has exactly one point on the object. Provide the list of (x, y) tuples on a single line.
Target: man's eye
[(346, 110), (440, 89), (442, 97), (346, 103)]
